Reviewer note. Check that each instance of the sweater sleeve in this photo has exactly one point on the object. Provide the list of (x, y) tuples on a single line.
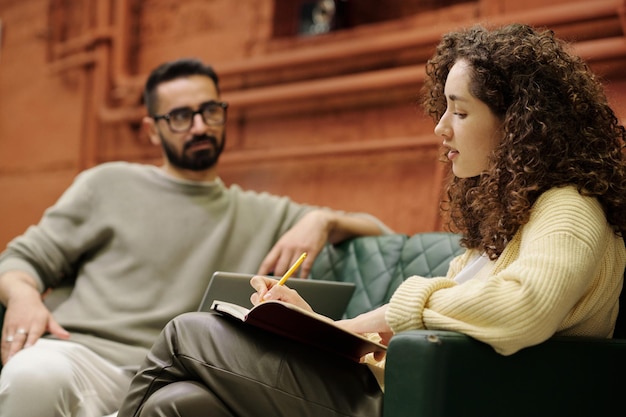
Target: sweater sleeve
[(548, 268), (49, 250)]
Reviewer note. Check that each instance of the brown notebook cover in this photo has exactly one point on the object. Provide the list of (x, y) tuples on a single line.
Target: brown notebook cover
[(303, 326)]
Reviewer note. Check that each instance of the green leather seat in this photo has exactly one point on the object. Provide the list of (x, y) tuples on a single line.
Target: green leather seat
[(444, 374)]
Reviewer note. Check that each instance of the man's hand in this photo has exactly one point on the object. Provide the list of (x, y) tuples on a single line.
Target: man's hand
[(310, 235), (26, 318)]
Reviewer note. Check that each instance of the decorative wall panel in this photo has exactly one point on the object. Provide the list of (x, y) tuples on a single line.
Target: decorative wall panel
[(329, 119)]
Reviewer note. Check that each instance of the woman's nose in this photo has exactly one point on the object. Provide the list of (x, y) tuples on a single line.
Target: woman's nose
[(442, 129)]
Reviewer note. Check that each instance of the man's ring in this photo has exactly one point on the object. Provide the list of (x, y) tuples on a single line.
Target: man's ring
[(9, 339), (20, 331)]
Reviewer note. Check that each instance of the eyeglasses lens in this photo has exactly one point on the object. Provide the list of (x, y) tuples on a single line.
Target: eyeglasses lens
[(213, 114), (181, 120)]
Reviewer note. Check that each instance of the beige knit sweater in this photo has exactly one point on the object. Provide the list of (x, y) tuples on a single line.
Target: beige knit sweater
[(143, 247)]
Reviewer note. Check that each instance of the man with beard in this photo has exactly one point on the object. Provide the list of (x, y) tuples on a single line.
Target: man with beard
[(140, 243)]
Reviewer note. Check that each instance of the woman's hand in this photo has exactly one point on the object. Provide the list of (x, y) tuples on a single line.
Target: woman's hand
[(370, 322), (268, 289)]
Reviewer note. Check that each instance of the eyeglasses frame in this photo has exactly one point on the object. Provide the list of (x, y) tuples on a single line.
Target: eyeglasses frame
[(167, 116)]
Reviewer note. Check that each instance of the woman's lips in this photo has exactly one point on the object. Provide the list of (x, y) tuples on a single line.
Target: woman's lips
[(452, 154)]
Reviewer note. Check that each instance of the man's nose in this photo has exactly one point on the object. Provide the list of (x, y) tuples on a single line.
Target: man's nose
[(197, 124)]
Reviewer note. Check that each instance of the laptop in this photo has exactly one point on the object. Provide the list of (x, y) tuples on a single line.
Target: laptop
[(329, 298)]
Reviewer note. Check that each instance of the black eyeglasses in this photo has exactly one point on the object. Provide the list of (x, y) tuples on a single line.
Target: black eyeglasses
[(180, 120)]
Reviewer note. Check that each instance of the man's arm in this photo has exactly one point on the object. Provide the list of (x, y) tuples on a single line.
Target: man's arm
[(310, 235), (344, 226)]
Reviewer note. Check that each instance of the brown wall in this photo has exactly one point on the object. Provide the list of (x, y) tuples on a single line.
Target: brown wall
[(327, 119)]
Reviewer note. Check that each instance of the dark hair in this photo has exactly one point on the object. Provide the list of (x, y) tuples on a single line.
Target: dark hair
[(171, 70), (557, 130)]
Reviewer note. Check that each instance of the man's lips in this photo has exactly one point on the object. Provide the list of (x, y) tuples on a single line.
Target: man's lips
[(198, 144)]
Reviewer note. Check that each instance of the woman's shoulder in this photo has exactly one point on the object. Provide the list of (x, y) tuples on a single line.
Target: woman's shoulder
[(567, 207), (566, 198)]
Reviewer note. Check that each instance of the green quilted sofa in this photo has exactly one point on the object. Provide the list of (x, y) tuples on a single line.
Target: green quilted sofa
[(443, 374), (446, 374)]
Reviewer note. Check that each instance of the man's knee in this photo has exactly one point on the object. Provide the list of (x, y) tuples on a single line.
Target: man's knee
[(33, 385), (37, 371)]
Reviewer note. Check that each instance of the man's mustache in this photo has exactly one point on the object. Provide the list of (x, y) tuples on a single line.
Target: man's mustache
[(202, 138)]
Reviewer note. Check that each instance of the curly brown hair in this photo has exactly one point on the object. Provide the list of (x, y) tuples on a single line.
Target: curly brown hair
[(557, 129)]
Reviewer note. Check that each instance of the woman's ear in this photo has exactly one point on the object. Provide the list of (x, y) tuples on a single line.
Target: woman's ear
[(148, 125)]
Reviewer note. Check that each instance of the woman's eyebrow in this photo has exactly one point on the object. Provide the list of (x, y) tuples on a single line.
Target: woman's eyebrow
[(454, 97)]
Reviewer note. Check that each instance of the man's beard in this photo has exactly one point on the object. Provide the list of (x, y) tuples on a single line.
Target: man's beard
[(197, 160)]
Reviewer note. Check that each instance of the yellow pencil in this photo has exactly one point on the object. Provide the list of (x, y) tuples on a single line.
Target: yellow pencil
[(293, 269)]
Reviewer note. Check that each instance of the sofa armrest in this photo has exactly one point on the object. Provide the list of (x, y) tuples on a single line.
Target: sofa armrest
[(439, 373)]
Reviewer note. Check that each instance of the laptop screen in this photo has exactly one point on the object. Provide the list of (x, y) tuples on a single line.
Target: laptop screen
[(329, 298)]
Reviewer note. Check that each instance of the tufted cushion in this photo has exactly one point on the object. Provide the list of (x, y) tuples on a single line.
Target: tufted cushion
[(379, 264)]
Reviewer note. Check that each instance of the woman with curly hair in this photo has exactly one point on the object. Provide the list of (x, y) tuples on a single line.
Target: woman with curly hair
[(537, 194)]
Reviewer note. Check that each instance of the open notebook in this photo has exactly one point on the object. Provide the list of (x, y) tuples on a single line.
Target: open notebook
[(329, 298)]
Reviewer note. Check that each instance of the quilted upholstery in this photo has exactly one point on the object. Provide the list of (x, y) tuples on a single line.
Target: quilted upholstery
[(378, 265)]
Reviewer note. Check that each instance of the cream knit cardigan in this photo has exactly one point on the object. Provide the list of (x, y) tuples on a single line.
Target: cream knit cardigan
[(560, 274)]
